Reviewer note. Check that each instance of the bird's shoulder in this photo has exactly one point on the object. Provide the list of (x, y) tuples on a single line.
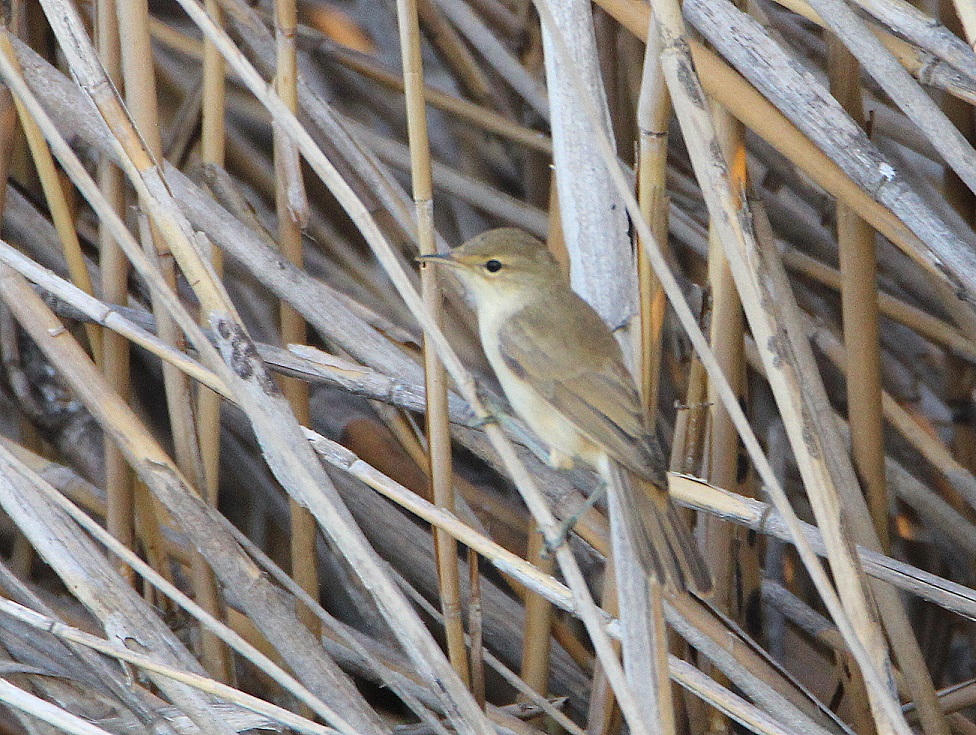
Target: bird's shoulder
[(572, 334)]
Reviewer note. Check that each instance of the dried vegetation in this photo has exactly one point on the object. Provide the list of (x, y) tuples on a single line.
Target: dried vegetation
[(220, 362)]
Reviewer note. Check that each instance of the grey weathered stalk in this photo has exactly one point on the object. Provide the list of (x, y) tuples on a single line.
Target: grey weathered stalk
[(592, 214), (125, 616), (800, 97)]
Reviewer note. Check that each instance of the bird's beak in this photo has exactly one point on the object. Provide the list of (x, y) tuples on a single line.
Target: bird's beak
[(438, 259)]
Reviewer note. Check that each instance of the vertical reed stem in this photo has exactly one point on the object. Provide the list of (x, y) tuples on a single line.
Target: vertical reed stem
[(438, 429)]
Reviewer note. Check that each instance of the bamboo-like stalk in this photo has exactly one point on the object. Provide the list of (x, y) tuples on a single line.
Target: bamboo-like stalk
[(602, 714), (291, 208), (140, 92), (722, 446), (726, 338), (438, 434), (61, 213), (119, 480), (537, 637), (212, 146), (475, 625), (141, 99), (537, 632), (212, 151), (653, 116), (855, 239)]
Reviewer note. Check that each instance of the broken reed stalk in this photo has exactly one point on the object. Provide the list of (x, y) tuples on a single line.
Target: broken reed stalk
[(653, 118)]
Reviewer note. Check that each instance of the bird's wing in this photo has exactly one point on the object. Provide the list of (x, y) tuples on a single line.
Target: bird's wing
[(584, 379)]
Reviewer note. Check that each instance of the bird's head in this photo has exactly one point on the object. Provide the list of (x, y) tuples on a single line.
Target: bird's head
[(501, 262)]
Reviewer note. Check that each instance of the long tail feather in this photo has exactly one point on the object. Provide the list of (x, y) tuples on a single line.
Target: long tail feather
[(662, 542)]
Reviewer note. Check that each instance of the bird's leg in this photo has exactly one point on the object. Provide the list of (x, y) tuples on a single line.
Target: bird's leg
[(569, 523), (494, 411)]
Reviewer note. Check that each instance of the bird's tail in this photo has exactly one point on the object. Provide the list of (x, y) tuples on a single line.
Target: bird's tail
[(661, 539)]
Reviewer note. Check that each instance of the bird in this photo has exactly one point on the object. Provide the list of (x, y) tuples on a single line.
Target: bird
[(564, 374)]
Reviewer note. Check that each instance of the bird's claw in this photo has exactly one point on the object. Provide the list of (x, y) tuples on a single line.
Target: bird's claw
[(566, 527), (483, 421)]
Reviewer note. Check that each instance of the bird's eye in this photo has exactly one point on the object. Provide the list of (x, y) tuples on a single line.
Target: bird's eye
[(493, 266)]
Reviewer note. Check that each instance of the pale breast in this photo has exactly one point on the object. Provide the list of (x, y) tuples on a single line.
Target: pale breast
[(550, 425)]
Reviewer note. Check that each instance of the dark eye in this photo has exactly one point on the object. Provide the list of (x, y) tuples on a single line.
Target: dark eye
[(493, 266)]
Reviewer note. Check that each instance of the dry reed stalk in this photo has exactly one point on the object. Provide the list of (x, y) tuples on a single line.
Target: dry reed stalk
[(220, 629), (537, 635), (141, 100), (860, 308), (95, 582), (498, 172), (653, 116), (148, 663), (439, 465), (119, 481), (721, 453), (212, 151), (292, 210), (860, 631)]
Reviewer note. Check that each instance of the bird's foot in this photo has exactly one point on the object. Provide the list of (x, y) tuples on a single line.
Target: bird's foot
[(569, 523), (482, 421)]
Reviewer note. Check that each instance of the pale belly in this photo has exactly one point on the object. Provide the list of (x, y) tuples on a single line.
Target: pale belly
[(565, 441)]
